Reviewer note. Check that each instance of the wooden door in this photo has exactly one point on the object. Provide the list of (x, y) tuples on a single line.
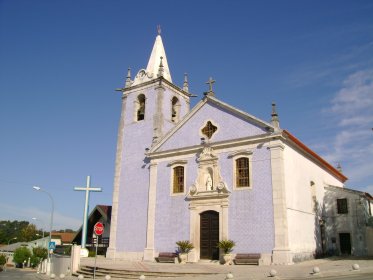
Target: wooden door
[(345, 243), (209, 235)]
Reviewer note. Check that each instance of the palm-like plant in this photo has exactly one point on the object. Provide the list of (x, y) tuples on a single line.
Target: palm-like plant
[(226, 245), (185, 246)]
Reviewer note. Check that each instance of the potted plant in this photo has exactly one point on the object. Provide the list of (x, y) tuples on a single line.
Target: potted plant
[(226, 245), (184, 247)]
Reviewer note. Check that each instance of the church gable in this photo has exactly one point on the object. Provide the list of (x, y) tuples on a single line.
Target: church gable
[(214, 121)]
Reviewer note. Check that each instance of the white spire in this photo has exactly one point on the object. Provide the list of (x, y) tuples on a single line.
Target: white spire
[(152, 70), (155, 59)]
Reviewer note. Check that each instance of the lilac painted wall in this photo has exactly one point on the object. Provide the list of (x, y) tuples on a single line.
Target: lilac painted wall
[(134, 184), (172, 213), (168, 95), (251, 222), (225, 120)]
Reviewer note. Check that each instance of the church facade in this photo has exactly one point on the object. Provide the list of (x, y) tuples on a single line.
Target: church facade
[(209, 173)]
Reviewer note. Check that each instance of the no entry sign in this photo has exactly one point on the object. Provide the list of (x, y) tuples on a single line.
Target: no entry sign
[(98, 228)]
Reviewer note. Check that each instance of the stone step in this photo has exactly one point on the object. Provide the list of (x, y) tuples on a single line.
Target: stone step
[(101, 272)]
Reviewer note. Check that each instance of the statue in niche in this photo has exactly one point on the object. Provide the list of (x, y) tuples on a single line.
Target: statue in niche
[(209, 186)]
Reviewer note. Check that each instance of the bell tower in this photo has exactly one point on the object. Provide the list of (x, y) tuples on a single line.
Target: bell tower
[(151, 106)]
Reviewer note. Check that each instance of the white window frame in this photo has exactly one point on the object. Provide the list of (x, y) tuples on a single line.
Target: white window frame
[(242, 154), (203, 126), (172, 165)]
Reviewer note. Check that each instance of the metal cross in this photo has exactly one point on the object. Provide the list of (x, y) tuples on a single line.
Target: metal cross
[(159, 29), (210, 82), (87, 189)]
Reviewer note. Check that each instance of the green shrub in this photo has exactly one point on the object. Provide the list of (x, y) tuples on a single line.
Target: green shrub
[(34, 261), (185, 246), (21, 254), (40, 252), (226, 245), (2, 259)]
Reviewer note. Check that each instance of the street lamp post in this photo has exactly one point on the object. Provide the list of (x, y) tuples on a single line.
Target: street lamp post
[(35, 219), (50, 226)]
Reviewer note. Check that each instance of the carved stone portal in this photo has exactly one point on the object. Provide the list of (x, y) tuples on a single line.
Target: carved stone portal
[(209, 182)]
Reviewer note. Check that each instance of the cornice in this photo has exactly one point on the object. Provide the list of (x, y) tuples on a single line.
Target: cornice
[(160, 81), (216, 146)]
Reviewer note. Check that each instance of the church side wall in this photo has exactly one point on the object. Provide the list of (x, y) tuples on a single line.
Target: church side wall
[(251, 223), (304, 183)]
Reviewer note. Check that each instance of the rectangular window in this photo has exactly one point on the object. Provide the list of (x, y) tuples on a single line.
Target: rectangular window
[(342, 206), (242, 172), (178, 179)]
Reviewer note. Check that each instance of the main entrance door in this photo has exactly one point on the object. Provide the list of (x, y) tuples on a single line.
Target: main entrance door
[(345, 243), (209, 235)]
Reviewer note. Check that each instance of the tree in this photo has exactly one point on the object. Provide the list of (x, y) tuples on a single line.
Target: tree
[(2, 259), (11, 229), (21, 255), (2, 262), (23, 230), (28, 233), (40, 252)]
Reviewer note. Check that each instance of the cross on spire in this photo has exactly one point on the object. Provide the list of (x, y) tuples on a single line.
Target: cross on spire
[(87, 189), (159, 29)]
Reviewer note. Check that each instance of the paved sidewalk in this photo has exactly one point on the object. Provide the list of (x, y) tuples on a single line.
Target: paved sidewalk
[(328, 267)]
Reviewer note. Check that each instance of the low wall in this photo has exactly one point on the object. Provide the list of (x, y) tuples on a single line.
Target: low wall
[(60, 264)]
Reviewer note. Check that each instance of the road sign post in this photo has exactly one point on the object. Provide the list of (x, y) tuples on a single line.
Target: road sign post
[(98, 229)]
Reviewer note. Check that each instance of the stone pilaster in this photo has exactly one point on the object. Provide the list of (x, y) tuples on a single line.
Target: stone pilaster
[(149, 250), (224, 220), (158, 115), (281, 252), (118, 167)]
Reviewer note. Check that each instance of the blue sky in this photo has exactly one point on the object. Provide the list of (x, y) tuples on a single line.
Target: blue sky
[(61, 61)]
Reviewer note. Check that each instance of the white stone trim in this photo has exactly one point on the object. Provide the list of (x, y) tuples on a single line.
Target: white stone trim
[(242, 154), (221, 145), (172, 165), (196, 208), (281, 251), (214, 123), (111, 252), (149, 250)]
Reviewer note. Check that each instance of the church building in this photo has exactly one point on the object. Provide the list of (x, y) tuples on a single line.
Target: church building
[(209, 173)]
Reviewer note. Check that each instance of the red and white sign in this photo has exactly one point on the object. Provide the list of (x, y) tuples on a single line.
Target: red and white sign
[(98, 228)]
